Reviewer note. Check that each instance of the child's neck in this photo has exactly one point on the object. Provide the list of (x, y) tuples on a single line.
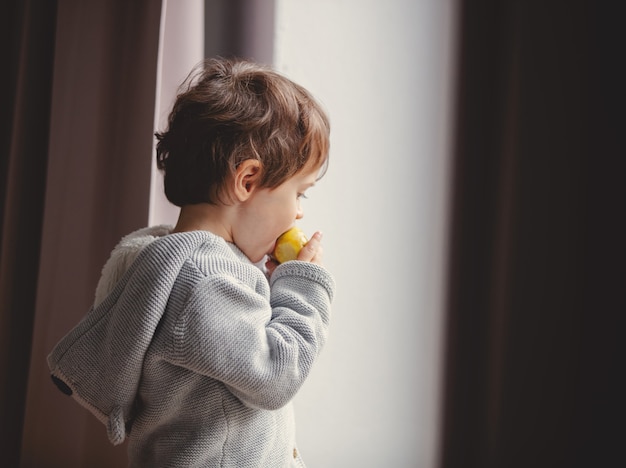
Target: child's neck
[(204, 217)]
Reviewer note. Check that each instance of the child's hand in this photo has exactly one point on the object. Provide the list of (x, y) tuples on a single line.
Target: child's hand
[(313, 251)]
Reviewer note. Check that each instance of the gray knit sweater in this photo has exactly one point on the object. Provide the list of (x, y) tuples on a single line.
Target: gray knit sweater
[(192, 354)]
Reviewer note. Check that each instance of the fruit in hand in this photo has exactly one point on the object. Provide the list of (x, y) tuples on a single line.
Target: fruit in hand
[(289, 244)]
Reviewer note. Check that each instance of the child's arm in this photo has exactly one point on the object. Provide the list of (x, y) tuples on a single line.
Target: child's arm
[(263, 351)]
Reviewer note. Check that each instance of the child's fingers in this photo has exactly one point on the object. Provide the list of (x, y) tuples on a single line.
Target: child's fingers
[(311, 252)]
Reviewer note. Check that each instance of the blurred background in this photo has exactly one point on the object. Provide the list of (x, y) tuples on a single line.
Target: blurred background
[(472, 215)]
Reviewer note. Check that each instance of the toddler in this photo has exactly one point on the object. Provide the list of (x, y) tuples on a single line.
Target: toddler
[(190, 350)]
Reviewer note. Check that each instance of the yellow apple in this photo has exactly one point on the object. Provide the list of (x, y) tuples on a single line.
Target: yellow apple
[(289, 244)]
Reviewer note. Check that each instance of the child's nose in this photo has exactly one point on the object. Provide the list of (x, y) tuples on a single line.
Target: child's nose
[(299, 213)]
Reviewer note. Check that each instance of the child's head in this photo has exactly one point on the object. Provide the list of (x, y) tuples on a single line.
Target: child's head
[(229, 111)]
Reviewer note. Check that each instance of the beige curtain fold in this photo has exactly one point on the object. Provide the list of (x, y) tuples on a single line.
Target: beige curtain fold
[(97, 189)]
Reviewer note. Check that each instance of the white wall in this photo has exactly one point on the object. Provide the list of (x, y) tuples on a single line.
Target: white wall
[(383, 71)]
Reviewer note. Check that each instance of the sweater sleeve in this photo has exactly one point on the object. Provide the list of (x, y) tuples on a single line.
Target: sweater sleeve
[(261, 350)]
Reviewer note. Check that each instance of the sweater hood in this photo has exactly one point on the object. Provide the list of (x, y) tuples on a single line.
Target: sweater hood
[(123, 255), (99, 362)]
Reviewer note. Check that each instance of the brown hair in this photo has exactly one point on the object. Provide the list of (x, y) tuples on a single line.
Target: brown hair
[(231, 110)]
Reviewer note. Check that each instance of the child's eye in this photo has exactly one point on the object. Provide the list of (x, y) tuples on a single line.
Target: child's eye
[(302, 195)]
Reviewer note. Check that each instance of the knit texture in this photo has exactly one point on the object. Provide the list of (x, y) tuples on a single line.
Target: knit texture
[(194, 356)]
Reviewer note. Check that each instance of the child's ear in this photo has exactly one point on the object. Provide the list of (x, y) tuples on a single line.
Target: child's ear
[(247, 176)]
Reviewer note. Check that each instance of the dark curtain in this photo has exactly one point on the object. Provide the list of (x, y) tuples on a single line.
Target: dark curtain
[(536, 280), (27, 49)]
